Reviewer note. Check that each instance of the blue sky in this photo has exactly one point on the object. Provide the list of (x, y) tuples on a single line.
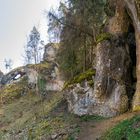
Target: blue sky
[(17, 17)]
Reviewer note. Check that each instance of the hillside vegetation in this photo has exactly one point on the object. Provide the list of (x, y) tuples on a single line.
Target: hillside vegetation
[(86, 86)]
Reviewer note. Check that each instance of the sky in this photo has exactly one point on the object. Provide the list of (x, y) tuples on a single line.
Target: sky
[(17, 18)]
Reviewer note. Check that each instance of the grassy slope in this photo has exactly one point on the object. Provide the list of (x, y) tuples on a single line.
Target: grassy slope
[(26, 115), (126, 130), (30, 116), (19, 114)]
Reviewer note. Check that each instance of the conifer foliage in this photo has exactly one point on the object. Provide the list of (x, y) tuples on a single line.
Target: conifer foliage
[(77, 23), (32, 49)]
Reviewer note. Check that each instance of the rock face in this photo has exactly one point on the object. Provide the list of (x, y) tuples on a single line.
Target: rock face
[(112, 74), (32, 75), (13, 76), (80, 99), (133, 7), (53, 78), (50, 52), (110, 94), (44, 75), (1, 75)]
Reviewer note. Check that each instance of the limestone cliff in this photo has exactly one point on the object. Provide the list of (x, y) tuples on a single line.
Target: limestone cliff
[(117, 55)]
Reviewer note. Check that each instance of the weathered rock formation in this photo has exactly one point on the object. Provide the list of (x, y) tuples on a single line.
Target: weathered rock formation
[(50, 52), (133, 7), (1, 75), (114, 82), (53, 78), (44, 77), (13, 76), (80, 99)]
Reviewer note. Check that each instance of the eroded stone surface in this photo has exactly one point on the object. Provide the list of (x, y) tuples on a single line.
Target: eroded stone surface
[(108, 97), (13, 76), (80, 99)]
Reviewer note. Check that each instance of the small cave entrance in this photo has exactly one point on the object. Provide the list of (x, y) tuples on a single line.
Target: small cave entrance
[(131, 41)]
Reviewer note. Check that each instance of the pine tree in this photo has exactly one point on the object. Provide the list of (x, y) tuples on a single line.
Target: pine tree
[(32, 48)]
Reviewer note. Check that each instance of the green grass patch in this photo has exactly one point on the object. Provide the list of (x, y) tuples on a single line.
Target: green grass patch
[(41, 83), (13, 91), (126, 130), (91, 118)]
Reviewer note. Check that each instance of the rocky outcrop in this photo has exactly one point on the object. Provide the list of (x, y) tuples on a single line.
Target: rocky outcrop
[(112, 78), (1, 75), (32, 79), (50, 52), (80, 99), (44, 76), (13, 76), (133, 8), (52, 77), (108, 97), (111, 91)]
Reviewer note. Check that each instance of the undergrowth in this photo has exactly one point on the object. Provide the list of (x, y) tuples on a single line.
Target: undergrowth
[(91, 118), (126, 130)]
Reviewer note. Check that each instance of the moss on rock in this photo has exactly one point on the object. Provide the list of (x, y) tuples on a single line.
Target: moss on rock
[(40, 66), (125, 130), (13, 91), (81, 77), (102, 37)]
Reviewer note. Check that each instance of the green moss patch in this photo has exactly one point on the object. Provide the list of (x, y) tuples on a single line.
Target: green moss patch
[(91, 118), (41, 83), (102, 37), (32, 117), (13, 91), (54, 127), (126, 130), (40, 66), (81, 77)]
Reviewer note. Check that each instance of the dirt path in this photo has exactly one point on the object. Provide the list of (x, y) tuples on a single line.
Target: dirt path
[(94, 130)]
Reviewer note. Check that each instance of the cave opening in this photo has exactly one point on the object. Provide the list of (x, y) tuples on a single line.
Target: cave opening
[(131, 41)]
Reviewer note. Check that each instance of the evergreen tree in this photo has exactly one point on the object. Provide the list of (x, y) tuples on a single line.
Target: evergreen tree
[(32, 49), (78, 23)]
